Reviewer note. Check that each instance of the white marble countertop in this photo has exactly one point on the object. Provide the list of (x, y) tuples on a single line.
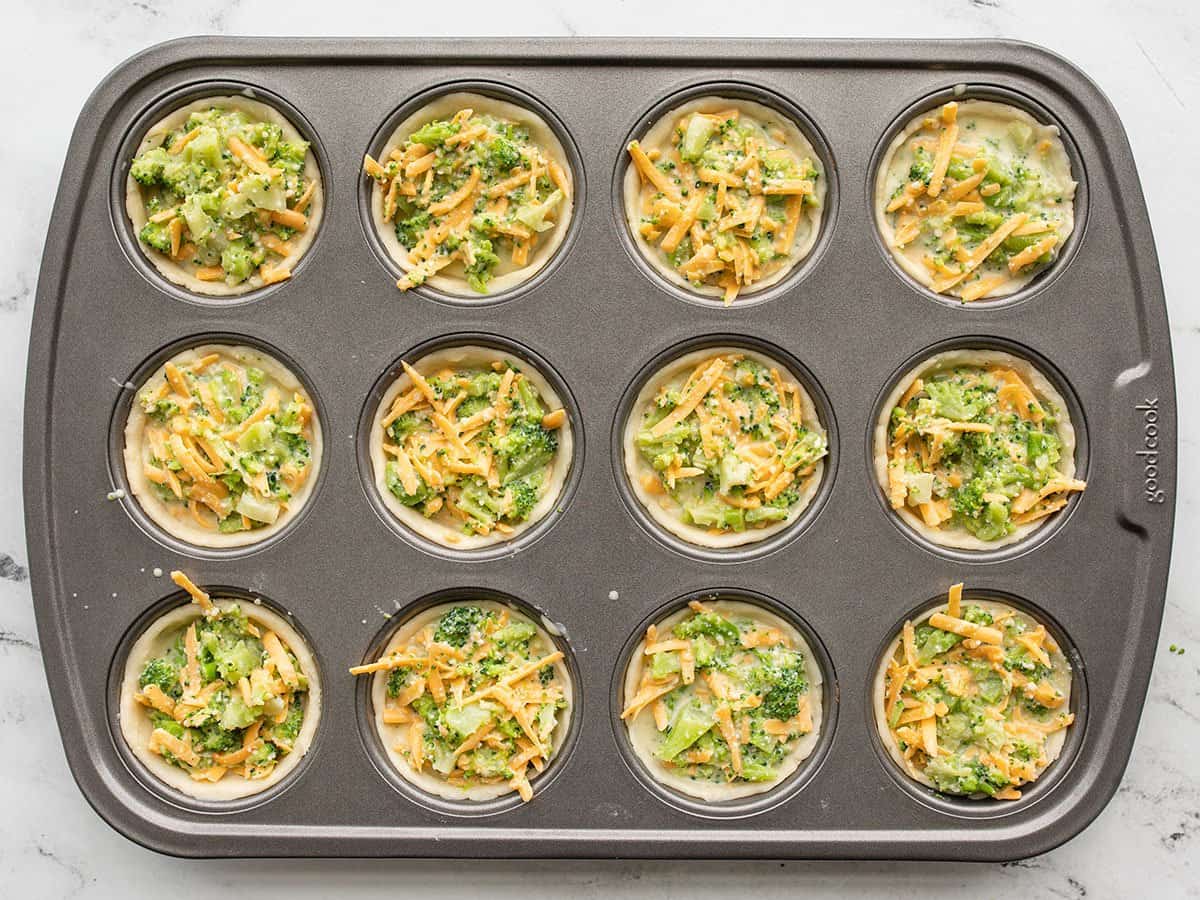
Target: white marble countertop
[(1143, 54)]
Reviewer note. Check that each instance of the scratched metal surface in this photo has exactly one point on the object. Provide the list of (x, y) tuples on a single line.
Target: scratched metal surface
[(1097, 322)]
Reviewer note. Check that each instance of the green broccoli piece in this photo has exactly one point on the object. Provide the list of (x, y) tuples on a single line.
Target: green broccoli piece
[(239, 260), (156, 235), (710, 625), (289, 729), (954, 775), (514, 633), (237, 660), (166, 723), (525, 494), (147, 169), (410, 230), (164, 673), (956, 402), (456, 624), (478, 502), (782, 701), (932, 642), (479, 272), (525, 449), (434, 134), (396, 487), (503, 154), (396, 681), (214, 738), (403, 426)]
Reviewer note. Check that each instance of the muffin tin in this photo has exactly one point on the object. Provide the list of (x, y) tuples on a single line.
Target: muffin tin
[(596, 316)]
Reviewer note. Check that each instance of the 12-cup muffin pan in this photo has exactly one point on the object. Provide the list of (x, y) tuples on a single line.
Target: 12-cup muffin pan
[(847, 573)]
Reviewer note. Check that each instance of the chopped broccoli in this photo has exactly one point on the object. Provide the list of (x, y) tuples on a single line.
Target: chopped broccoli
[(396, 487), (147, 169), (156, 235), (503, 154), (456, 624), (782, 701), (164, 673), (524, 493), (711, 625), (434, 134), (479, 272), (410, 230), (525, 449)]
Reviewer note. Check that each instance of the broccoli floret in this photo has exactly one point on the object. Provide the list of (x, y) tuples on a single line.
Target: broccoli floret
[(214, 738), (264, 753), (479, 272), (237, 660), (239, 260), (782, 701), (288, 730), (166, 723), (526, 448), (529, 401), (434, 133), (290, 155), (711, 625), (403, 426), (932, 642), (514, 633), (478, 502), (456, 624), (156, 235), (396, 486), (955, 775), (397, 679), (968, 499), (503, 154), (524, 498), (410, 230), (147, 169), (955, 401), (426, 707), (164, 673)]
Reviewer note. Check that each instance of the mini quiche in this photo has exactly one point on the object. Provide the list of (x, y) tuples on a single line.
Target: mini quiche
[(222, 446), (975, 449), (224, 195), (723, 447), (471, 195), (220, 699), (722, 699), (973, 699), (471, 700), (975, 199), (470, 447), (724, 196)]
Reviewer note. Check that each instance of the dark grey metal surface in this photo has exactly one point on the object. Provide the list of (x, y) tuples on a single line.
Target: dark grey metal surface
[(597, 318)]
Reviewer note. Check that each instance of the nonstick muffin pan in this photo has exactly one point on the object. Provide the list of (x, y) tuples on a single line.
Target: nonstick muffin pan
[(593, 319)]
